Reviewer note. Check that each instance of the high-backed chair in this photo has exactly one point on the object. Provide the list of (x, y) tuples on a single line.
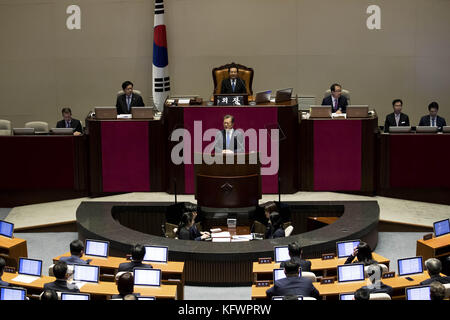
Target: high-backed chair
[(221, 73), (344, 92), (39, 126), (309, 275), (5, 128), (288, 231), (447, 290), (384, 269), (134, 90), (379, 296)]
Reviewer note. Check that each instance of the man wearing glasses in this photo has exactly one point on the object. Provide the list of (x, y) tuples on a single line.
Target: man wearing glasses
[(337, 101)]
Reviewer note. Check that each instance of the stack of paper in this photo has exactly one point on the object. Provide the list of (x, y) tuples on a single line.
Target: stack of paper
[(221, 239), (124, 116), (25, 279), (224, 234)]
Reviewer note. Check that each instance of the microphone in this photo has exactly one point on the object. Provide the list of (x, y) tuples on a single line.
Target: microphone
[(175, 189), (279, 191)]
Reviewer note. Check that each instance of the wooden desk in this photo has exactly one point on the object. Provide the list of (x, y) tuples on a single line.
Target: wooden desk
[(318, 266), (101, 290), (433, 248), (15, 248), (172, 272)]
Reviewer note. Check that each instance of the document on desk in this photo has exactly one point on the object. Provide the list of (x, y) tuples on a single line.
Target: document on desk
[(221, 240), (124, 116), (243, 237), (184, 101), (25, 279), (224, 234), (79, 285), (339, 115)]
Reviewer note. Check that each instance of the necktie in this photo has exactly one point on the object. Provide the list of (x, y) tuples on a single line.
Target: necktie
[(233, 84), (128, 102), (335, 104), (432, 122), (228, 140), (67, 124)]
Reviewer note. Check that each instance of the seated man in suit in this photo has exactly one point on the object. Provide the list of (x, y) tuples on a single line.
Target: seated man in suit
[(76, 251), (137, 255), (125, 286), (128, 99), (336, 100), (48, 295), (397, 118), (233, 84), (295, 252), (437, 291), (433, 119), (229, 140), (434, 268), (60, 284), (362, 294), (69, 122), (293, 284), (374, 272), (2, 266)]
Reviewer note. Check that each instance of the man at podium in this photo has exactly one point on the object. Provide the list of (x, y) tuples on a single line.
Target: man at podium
[(233, 84), (228, 139)]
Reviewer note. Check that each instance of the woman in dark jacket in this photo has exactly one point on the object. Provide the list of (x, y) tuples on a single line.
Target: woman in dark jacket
[(274, 227)]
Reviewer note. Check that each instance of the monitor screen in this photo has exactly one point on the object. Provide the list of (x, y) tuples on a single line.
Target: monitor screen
[(441, 227), (6, 229), (347, 296), (30, 267), (282, 297), (279, 274), (97, 248), (147, 277), (418, 293), (146, 298), (74, 296), (156, 254), (12, 293), (351, 272), (282, 254), (345, 248), (85, 273), (410, 266)]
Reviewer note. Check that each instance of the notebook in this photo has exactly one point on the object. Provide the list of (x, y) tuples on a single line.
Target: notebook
[(350, 272), (345, 249), (281, 254), (147, 277), (97, 248), (6, 229), (409, 266), (156, 254)]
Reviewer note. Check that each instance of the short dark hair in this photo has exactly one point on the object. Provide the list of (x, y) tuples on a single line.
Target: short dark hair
[(2, 265), (294, 249), (126, 84), (364, 254), (437, 291), (362, 294), (49, 295), (186, 220), (233, 66), (397, 100), (138, 252), (125, 283), (229, 116), (60, 270), (76, 246), (434, 105), (291, 267), (189, 207), (333, 87), (271, 207), (66, 110)]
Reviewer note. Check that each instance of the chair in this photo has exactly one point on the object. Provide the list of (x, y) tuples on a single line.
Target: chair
[(170, 230), (134, 90), (379, 296), (288, 231), (221, 73), (258, 227), (10, 262), (344, 92), (309, 275), (5, 128), (39, 126), (447, 290), (384, 269)]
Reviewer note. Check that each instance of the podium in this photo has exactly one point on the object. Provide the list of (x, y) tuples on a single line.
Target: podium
[(233, 183)]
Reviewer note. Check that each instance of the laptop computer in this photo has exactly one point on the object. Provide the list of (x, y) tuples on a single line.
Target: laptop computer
[(263, 96), (62, 131), (105, 113), (282, 298), (278, 273), (356, 111), (6, 229), (441, 227), (409, 266), (8, 293), (157, 254), (426, 129), (142, 112), (23, 131), (96, 248), (418, 293), (395, 129), (85, 273), (320, 112), (345, 248), (283, 95), (281, 254), (30, 267), (75, 296), (350, 272), (446, 129), (147, 277), (347, 296)]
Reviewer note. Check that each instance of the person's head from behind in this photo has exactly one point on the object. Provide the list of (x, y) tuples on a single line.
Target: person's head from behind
[(2, 265), (127, 87), (291, 269), (433, 266), (67, 114), (295, 250), (437, 291), (60, 270), (49, 295), (233, 71), (397, 104), (275, 219), (125, 283), (189, 207), (138, 252), (336, 90), (362, 294), (130, 297), (269, 208), (228, 122), (76, 248), (364, 252), (433, 108)]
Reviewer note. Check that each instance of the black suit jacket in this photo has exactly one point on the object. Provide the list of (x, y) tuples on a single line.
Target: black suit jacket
[(425, 121), (121, 103), (61, 286), (342, 103), (74, 124), (384, 288), (129, 266), (304, 265), (443, 280), (293, 286), (3, 283), (239, 88), (390, 121)]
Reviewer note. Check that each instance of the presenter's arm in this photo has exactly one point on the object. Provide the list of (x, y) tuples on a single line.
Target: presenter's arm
[(140, 102), (118, 105), (422, 122), (386, 125), (407, 121)]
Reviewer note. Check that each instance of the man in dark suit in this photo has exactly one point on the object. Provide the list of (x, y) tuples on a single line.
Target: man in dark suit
[(60, 284), (233, 84), (69, 122), (137, 255), (228, 139), (336, 100), (374, 272), (293, 284), (129, 99), (397, 118), (2, 266), (434, 267), (295, 252), (76, 251), (433, 119), (125, 286)]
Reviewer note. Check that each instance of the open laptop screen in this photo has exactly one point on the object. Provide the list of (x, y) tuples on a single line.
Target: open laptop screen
[(418, 293), (146, 298), (441, 227), (74, 296), (351, 272), (279, 274), (347, 296), (281, 254), (409, 266), (345, 248), (85, 273), (97, 248), (30, 267), (6, 229), (156, 254), (12, 293), (282, 297), (147, 277)]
